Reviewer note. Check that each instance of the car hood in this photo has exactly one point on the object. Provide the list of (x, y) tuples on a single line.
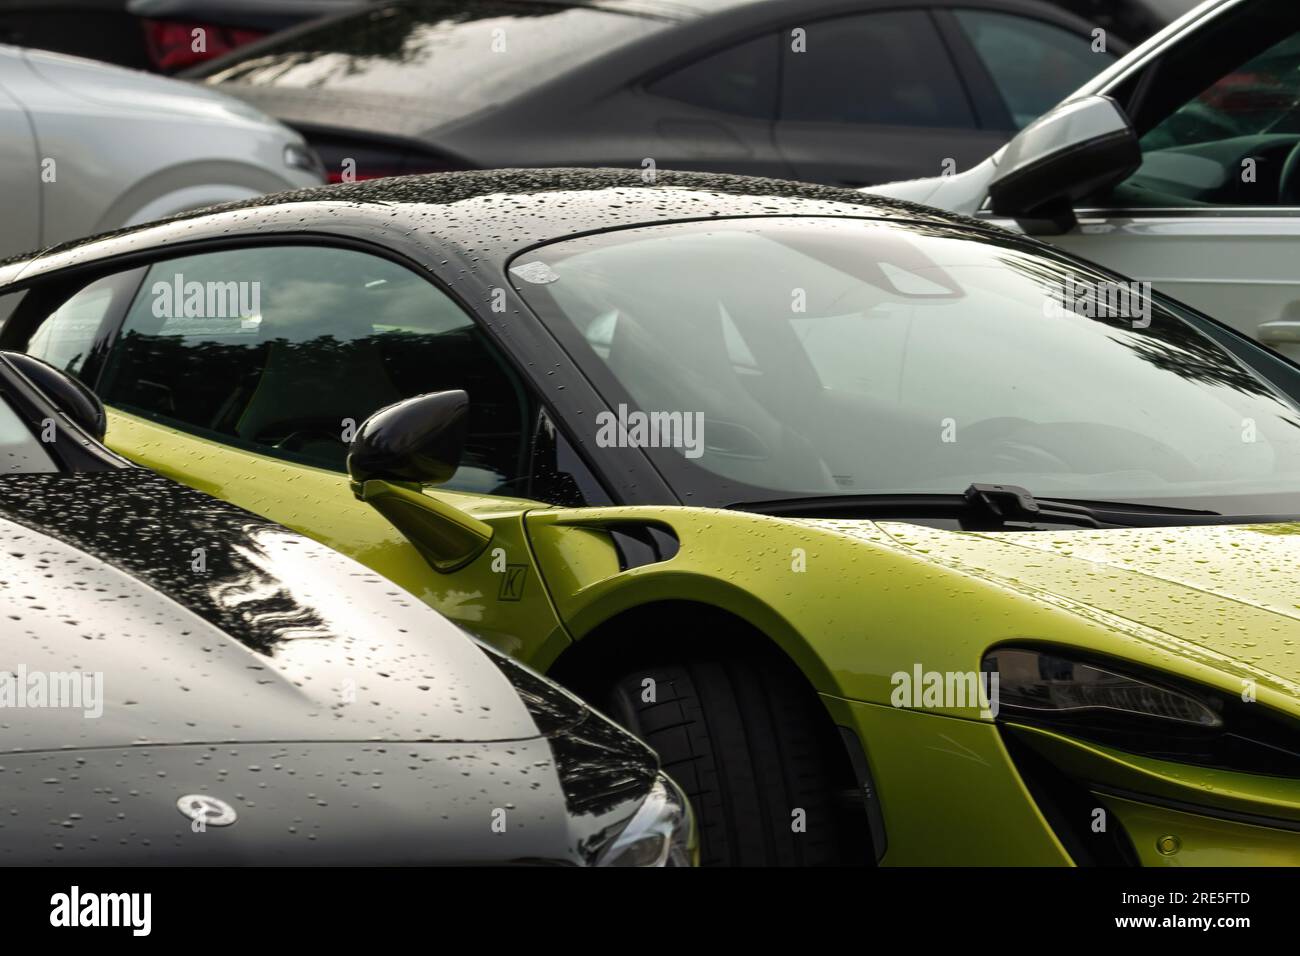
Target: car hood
[(294, 804), (1225, 594), (204, 623), (118, 89)]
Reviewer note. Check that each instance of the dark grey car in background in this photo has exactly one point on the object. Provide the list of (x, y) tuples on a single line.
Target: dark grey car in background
[(846, 92)]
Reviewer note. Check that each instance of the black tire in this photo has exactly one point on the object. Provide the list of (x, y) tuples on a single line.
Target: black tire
[(747, 739)]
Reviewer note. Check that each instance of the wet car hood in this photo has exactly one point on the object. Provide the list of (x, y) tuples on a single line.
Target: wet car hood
[(1228, 589), (204, 623)]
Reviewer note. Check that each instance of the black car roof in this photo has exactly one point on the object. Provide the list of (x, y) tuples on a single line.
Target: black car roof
[(663, 9), (530, 211)]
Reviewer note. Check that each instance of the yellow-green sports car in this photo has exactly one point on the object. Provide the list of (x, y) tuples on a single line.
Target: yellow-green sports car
[(901, 538)]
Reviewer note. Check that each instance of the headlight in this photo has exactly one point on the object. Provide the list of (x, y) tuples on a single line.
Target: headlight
[(660, 833), (1116, 704), (298, 156), (1035, 682)]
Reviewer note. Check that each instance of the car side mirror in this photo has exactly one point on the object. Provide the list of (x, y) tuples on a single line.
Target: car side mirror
[(419, 440), (65, 392), (399, 449), (1076, 150)]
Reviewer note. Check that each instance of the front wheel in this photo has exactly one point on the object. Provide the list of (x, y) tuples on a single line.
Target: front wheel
[(747, 740)]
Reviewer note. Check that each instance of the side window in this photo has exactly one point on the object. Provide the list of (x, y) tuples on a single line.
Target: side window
[(876, 68), (1033, 64), (277, 349), (1232, 139), (8, 305), (67, 336), (741, 80)]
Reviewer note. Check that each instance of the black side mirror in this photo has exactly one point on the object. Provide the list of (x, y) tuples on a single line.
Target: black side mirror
[(420, 439), (66, 393), (1075, 151)]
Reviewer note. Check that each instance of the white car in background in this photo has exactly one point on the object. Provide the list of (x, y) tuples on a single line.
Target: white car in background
[(86, 147), (1178, 165)]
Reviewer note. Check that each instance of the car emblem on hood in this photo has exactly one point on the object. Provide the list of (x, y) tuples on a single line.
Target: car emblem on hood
[(206, 811)]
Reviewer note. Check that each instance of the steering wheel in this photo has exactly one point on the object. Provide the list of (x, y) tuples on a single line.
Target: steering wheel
[(1288, 190)]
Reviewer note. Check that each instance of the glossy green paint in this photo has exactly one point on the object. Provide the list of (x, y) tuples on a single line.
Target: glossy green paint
[(852, 603), (1242, 819), (917, 759), (1227, 791), (321, 505), (1199, 840)]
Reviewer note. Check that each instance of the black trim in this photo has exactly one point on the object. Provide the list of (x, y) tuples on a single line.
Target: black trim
[(870, 796), (73, 449), (1068, 806), (1200, 810), (44, 300), (638, 543)]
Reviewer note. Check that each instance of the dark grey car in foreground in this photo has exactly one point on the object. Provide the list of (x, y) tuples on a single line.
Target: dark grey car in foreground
[(187, 683), (846, 92)]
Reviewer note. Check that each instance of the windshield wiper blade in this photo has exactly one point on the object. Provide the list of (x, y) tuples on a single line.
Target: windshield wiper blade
[(985, 507)]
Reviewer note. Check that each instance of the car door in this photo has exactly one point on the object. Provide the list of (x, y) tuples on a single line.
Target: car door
[(875, 97), (244, 372), (20, 169), (1212, 216)]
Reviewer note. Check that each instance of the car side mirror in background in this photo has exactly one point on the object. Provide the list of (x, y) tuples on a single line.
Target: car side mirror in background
[(66, 393), (1078, 149), (399, 449)]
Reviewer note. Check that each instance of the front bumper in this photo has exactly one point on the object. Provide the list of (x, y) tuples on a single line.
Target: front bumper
[(968, 793)]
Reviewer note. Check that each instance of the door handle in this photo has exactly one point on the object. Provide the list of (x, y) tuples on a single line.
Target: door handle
[(1284, 332)]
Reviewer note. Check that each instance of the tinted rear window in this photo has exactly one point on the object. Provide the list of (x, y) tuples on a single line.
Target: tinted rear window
[(456, 56)]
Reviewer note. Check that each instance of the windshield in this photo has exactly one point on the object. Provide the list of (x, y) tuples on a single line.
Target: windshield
[(20, 451), (438, 58), (761, 359)]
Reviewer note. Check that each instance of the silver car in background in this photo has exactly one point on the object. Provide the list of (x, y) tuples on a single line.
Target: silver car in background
[(1178, 166), (86, 147)]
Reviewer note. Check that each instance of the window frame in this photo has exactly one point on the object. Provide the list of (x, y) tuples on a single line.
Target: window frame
[(43, 301), (58, 286)]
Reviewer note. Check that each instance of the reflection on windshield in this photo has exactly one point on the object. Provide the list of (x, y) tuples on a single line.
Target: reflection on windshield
[(838, 357)]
